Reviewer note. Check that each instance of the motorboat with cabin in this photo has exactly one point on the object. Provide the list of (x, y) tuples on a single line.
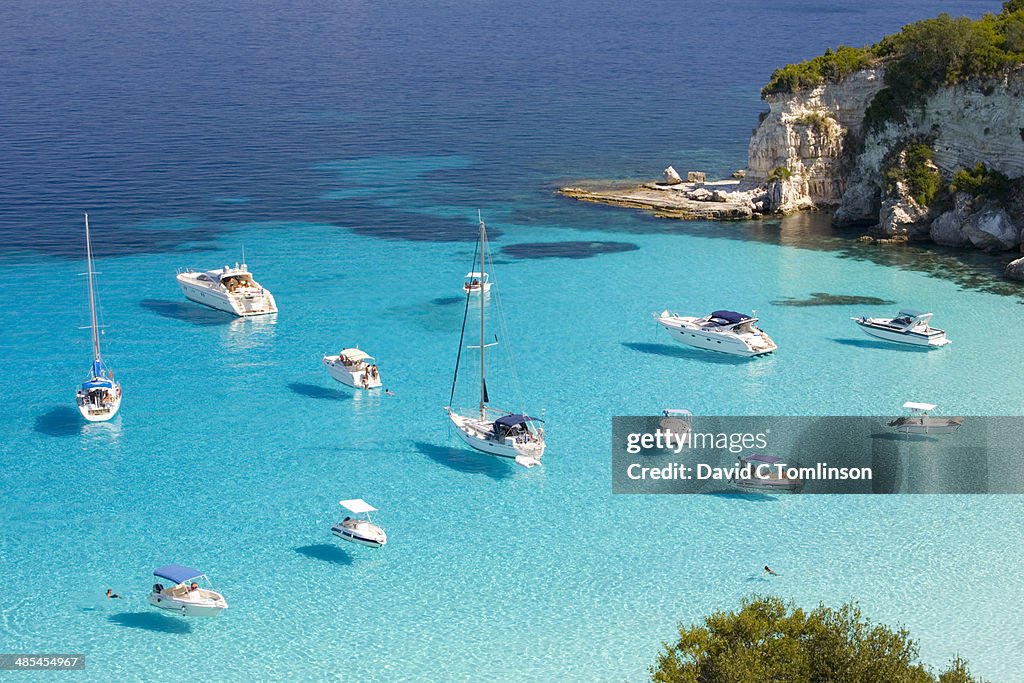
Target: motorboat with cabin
[(477, 283), (228, 289), (676, 423), (908, 327), (185, 596), (355, 368), (765, 474), (920, 421), (99, 397), (723, 331), (357, 529), (506, 434)]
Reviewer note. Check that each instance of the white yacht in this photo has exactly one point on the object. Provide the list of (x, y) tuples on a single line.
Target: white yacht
[(229, 289), (908, 327), (724, 331), (354, 368), (99, 397), (759, 472), (506, 434), (357, 530), (185, 596), (921, 422), (477, 283)]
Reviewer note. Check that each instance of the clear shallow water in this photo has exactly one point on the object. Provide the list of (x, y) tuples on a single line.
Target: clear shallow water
[(350, 167)]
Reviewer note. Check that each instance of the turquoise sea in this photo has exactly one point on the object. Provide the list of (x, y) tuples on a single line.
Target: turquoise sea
[(347, 149)]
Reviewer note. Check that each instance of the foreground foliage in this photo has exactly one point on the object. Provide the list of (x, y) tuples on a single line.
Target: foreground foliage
[(769, 640)]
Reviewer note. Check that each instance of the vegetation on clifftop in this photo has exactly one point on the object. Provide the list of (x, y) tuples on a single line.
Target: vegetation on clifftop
[(768, 640), (919, 173), (921, 58)]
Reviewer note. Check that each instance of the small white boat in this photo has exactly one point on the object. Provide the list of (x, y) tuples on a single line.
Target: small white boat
[(920, 422), (354, 368), (99, 397), (515, 436), (229, 289), (677, 423), (476, 283), (358, 530), (908, 327), (764, 473), (723, 331), (185, 597)]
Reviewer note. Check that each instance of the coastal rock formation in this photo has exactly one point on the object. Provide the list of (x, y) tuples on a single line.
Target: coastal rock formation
[(991, 229), (1015, 270), (671, 177)]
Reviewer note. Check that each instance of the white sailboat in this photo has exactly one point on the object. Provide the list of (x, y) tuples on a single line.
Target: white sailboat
[(503, 433), (99, 397)]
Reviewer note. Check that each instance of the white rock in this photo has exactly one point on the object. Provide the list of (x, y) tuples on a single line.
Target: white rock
[(671, 177), (992, 229), (1015, 269)]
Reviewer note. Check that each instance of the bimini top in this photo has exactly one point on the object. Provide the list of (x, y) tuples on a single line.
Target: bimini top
[(515, 420), (761, 457), (910, 405), (731, 316), (477, 275), (98, 383), (355, 354), (911, 313), (357, 505), (177, 573)]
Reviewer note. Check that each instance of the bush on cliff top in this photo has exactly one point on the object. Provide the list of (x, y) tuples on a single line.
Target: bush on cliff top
[(922, 57), (982, 182), (769, 640)]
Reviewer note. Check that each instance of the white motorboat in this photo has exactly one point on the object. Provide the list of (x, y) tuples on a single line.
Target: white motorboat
[(358, 530), (764, 473), (99, 397), (229, 289), (676, 423), (354, 368), (185, 597), (908, 327), (920, 422), (503, 433), (476, 283), (723, 331)]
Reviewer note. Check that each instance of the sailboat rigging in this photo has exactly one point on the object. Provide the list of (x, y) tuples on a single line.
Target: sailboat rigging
[(515, 436)]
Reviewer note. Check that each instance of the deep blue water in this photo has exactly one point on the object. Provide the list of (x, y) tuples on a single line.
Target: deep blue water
[(348, 147)]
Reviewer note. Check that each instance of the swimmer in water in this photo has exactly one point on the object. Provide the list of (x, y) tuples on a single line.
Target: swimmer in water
[(768, 570), (111, 594)]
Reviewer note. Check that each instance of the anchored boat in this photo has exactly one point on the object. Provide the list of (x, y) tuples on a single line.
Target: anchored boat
[(229, 289), (921, 422), (99, 397), (354, 368), (722, 331), (185, 597), (764, 473), (358, 530), (908, 327)]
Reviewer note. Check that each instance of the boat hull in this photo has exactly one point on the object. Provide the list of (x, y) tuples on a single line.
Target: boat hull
[(940, 428), (763, 486), (910, 338), (476, 438), (713, 341), (93, 414), (348, 535), (349, 378), (186, 608), (239, 305)]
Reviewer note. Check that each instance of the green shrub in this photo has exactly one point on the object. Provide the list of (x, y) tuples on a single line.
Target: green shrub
[(922, 178), (829, 67), (780, 173), (769, 640), (983, 183)]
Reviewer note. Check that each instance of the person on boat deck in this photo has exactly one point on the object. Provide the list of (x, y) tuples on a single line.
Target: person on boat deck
[(193, 588)]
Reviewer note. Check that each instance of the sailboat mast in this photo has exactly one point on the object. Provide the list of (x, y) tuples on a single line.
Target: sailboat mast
[(92, 295), (483, 251)]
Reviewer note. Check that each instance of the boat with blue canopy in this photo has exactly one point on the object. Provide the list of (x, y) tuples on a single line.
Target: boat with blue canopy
[(185, 596), (724, 331), (99, 397)]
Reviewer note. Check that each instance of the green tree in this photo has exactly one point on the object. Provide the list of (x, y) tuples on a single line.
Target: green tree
[(769, 640)]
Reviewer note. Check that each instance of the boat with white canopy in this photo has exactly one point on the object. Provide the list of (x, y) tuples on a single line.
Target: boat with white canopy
[(722, 331), (99, 397), (920, 421), (228, 289), (185, 596), (506, 434), (764, 473), (355, 368), (359, 530), (908, 327), (476, 283)]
